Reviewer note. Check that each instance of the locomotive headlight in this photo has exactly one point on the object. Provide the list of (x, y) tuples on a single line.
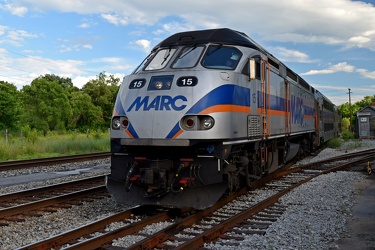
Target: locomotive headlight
[(158, 85), (116, 123), (207, 122)]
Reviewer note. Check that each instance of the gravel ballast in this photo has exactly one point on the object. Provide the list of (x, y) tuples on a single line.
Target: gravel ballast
[(316, 215)]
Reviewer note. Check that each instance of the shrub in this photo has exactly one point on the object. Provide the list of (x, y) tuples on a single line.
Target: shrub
[(334, 143), (347, 135)]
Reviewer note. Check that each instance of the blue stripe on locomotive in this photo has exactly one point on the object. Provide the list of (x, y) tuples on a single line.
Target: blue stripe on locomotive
[(226, 94)]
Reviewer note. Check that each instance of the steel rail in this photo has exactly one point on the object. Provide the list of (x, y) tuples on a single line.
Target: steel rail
[(25, 208), (340, 157), (64, 238), (44, 189), (19, 164)]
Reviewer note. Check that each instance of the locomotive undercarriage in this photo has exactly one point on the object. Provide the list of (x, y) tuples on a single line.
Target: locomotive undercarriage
[(181, 177)]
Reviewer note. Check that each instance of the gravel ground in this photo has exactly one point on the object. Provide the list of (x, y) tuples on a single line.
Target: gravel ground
[(316, 216), (54, 168), (103, 164)]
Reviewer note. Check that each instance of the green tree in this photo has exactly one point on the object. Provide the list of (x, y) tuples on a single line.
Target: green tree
[(345, 123), (103, 91), (85, 113), (10, 108), (47, 106), (65, 82), (355, 107), (367, 100)]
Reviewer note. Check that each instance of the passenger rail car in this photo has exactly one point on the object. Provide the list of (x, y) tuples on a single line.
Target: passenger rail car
[(206, 113)]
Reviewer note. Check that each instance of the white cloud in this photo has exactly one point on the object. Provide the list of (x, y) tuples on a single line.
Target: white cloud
[(14, 37), (84, 25), (144, 44), (340, 67), (14, 10), (76, 46), (348, 23), (115, 19), (366, 74), (80, 81), (87, 46), (2, 29), (289, 55)]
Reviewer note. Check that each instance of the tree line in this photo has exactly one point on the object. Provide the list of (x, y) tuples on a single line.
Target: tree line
[(52, 103)]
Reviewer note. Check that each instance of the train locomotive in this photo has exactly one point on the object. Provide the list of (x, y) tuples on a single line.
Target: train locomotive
[(206, 113)]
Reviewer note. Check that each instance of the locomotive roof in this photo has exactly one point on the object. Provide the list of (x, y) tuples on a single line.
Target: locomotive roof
[(222, 36)]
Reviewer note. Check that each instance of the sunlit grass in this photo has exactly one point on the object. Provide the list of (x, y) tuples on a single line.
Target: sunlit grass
[(53, 145)]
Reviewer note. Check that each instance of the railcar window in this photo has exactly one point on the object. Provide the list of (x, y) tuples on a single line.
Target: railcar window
[(328, 105), (273, 63), (160, 59), (220, 57), (188, 57), (303, 83), (291, 74)]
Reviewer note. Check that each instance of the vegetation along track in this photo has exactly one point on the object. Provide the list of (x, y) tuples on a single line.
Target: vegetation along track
[(33, 202), (19, 164), (243, 211)]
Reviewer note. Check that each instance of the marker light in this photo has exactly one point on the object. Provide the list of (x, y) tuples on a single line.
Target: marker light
[(125, 122), (190, 122)]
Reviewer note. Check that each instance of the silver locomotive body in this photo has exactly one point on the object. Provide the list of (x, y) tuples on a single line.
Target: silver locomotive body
[(207, 111)]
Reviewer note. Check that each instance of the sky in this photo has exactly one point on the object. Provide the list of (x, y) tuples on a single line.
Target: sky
[(331, 44)]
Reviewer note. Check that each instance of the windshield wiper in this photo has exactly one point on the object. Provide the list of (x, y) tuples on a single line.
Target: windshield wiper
[(187, 52), (167, 54)]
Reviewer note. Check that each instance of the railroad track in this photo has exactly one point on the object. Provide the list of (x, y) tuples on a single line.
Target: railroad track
[(243, 211), (369, 152), (19, 164), (33, 202)]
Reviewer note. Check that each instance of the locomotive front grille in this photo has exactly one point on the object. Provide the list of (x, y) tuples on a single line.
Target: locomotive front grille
[(253, 126)]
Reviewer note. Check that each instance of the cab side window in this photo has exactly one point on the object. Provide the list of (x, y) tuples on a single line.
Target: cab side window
[(246, 68), (221, 57)]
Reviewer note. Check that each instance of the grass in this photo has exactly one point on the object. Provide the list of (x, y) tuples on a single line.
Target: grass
[(345, 143), (53, 145)]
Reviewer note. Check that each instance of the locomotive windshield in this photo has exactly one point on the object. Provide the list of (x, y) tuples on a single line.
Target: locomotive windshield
[(219, 57), (160, 59), (216, 57), (188, 57)]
